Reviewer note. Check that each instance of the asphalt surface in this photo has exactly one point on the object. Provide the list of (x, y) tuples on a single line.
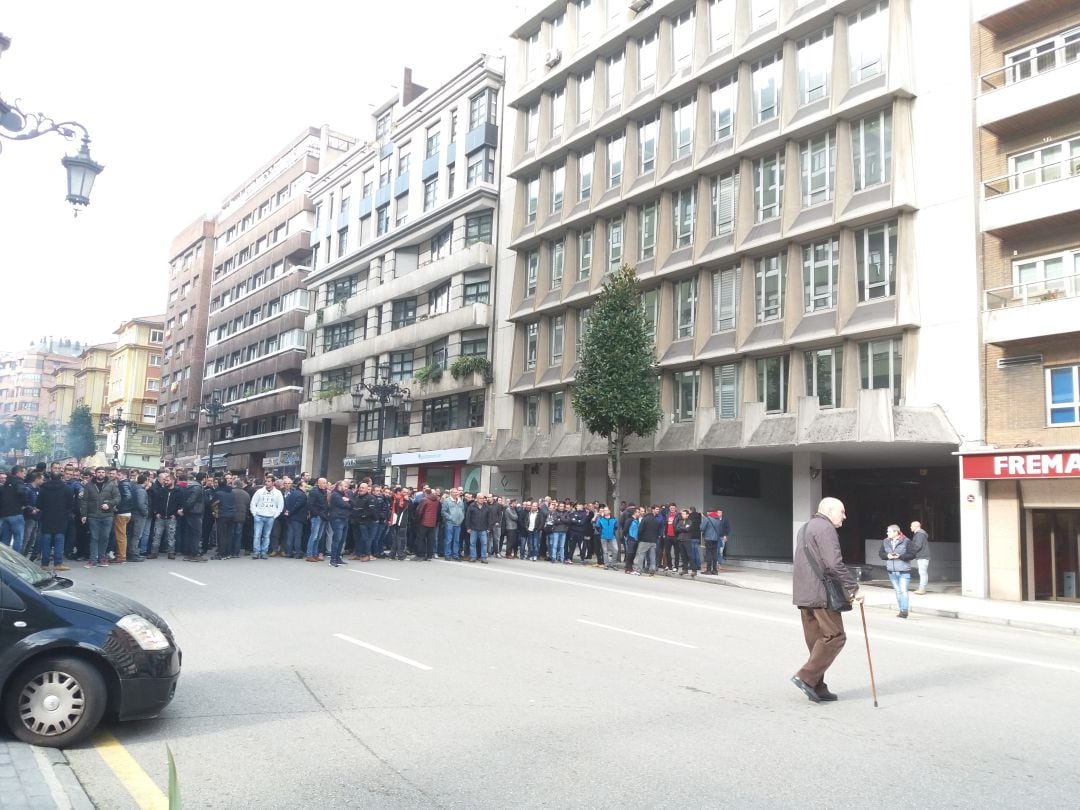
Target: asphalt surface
[(515, 685)]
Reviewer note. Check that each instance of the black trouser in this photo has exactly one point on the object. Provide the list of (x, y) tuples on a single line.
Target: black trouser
[(193, 529), (710, 556), (225, 537), (207, 527), (574, 542), (667, 553), (631, 552), (401, 535), (687, 555), (425, 541), (512, 543)]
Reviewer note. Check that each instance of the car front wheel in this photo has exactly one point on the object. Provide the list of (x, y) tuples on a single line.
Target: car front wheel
[(55, 701)]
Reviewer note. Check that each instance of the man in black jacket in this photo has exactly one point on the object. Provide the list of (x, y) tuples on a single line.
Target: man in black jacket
[(194, 504), (362, 515), (167, 504), (477, 521), (55, 501), (13, 498)]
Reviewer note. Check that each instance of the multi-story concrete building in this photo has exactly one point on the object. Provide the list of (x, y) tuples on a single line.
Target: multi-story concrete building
[(1027, 106), (794, 184), (134, 382), (25, 378), (92, 382), (184, 348), (255, 341), (404, 280)]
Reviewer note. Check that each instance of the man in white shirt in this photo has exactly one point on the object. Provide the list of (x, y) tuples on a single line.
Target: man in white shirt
[(266, 504)]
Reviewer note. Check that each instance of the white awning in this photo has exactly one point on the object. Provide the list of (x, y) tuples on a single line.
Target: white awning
[(430, 456)]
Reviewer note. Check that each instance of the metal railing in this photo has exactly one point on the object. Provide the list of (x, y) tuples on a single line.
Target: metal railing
[(1033, 177), (1031, 67), (1032, 292)]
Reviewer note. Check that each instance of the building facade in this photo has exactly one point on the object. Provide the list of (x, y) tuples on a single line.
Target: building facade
[(255, 340), (403, 281), (795, 190), (26, 378), (1027, 105), (191, 258), (134, 383)]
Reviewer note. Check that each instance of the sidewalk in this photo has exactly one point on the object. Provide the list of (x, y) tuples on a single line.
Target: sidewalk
[(1048, 617), (34, 778)]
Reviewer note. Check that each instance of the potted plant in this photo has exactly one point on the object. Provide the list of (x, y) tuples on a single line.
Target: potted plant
[(471, 364), (431, 373)]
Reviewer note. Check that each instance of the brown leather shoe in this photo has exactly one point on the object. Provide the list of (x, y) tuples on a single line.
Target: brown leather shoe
[(356, 557)]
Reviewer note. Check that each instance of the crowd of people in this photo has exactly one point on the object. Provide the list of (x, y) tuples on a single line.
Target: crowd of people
[(104, 517)]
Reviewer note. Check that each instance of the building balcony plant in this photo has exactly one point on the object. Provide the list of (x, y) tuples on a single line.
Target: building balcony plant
[(471, 364)]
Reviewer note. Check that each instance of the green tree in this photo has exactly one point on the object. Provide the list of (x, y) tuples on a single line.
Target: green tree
[(4, 446), (40, 442), (615, 389), (17, 434), (81, 440)]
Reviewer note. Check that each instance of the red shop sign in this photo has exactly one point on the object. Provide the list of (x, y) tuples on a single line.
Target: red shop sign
[(1065, 464)]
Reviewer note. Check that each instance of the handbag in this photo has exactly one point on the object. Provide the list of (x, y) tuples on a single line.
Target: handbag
[(835, 596)]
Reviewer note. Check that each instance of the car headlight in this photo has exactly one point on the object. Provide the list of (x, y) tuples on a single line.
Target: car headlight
[(146, 635)]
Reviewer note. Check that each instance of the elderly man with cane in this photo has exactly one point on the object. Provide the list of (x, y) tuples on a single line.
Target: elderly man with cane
[(819, 565)]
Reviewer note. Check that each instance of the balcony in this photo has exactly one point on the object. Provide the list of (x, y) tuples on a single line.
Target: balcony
[(1002, 16), (476, 256), (1035, 309), (1029, 94), (338, 409), (1016, 200), (471, 316)]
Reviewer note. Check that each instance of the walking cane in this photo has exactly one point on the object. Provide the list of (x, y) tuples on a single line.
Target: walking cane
[(869, 663)]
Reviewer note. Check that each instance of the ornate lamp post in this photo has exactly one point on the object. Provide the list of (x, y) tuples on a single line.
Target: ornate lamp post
[(214, 412), (82, 170), (116, 425), (378, 394)]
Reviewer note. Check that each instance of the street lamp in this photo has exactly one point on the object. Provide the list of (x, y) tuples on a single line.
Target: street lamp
[(116, 425), (214, 411), (82, 170), (380, 393)]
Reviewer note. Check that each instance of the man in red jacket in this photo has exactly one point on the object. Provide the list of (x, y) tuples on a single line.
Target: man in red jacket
[(427, 515)]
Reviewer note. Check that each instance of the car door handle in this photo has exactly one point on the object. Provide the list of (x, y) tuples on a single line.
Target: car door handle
[(19, 624)]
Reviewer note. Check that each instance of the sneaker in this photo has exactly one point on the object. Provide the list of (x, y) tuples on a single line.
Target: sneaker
[(90, 565), (921, 592), (61, 567), (103, 564), (136, 558), (485, 562), (333, 564)]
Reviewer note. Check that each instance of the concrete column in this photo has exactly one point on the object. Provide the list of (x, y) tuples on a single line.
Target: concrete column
[(973, 539), (324, 448), (805, 489)]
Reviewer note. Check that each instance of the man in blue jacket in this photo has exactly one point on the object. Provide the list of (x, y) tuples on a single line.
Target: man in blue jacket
[(296, 513)]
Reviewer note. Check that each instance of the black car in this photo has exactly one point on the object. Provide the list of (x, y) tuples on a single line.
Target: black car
[(69, 654)]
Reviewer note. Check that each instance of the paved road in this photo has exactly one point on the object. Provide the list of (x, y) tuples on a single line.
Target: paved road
[(513, 685)]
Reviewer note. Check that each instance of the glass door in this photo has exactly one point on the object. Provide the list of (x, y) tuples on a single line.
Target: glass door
[(1056, 554)]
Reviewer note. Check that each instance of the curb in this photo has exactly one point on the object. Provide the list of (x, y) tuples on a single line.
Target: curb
[(65, 775)]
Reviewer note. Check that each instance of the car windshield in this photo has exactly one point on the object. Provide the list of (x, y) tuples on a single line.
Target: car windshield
[(21, 567)]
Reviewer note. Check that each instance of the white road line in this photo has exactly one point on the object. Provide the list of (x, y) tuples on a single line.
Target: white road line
[(369, 574), (639, 635), (189, 579), (381, 651), (853, 629)]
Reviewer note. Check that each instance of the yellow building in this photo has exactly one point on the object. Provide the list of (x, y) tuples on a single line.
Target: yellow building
[(134, 381)]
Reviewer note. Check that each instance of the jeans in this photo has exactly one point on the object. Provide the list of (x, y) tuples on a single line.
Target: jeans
[(646, 557), (294, 541), (900, 581), (611, 551), (924, 573), (99, 537), (534, 543), (51, 544), (137, 530), (425, 542), (558, 546), (11, 531), (452, 542), (339, 526), (264, 524), (363, 533), (314, 544), (478, 539), (720, 548), (193, 534), (31, 536), (168, 527)]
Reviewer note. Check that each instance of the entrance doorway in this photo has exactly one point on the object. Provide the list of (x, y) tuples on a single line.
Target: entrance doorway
[(1055, 547)]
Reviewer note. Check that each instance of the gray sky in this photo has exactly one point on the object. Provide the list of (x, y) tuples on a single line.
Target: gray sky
[(183, 101)]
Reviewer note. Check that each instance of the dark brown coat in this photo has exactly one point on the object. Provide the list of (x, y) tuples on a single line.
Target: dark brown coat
[(820, 536)]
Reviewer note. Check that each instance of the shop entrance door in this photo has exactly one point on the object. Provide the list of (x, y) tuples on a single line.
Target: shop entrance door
[(439, 477), (1055, 549)]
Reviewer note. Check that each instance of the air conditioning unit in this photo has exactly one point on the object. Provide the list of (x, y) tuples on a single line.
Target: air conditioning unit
[(553, 57), (638, 6)]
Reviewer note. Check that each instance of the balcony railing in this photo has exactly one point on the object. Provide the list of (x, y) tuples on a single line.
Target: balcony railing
[(1032, 292), (1030, 178), (1028, 68)]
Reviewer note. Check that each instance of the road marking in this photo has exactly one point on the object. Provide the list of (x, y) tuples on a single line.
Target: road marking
[(369, 574), (135, 780), (749, 614), (639, 635), (188, 579), (381, 651)]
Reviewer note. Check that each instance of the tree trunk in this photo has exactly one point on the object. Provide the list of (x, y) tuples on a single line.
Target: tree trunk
[(615, 451)]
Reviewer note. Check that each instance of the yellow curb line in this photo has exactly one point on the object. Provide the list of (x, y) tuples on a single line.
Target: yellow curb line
[(135, 780)]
